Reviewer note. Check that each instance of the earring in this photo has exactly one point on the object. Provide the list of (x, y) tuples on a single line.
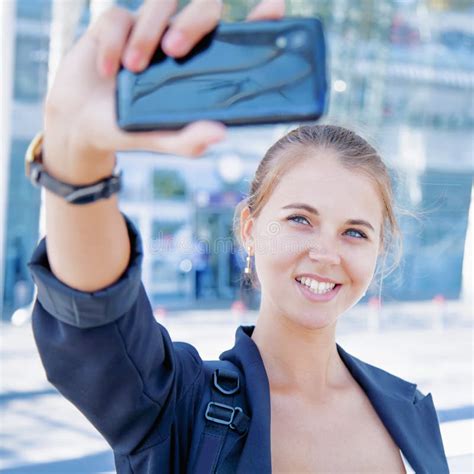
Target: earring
[(247, 269)]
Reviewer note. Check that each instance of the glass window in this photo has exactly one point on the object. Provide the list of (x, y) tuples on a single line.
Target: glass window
[(34, 9), (168, 184), (165, 232), (31, 67)]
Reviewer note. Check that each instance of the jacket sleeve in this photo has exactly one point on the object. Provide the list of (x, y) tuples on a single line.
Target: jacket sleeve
[(105, 352)]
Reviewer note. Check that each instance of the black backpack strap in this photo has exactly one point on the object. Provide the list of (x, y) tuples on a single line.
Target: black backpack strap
[(222, 414)]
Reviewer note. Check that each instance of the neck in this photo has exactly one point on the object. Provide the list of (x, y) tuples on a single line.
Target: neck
[(299, 361)]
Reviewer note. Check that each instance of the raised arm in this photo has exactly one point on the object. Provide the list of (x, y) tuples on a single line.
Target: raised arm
[(95, 331), (88, 246)]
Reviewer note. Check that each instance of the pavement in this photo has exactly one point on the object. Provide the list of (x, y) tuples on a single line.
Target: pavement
[(40, 432)]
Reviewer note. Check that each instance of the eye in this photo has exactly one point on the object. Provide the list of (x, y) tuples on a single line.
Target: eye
[(293, 218), (356, 233)]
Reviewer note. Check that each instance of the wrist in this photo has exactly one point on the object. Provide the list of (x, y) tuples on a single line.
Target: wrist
[(39, 175), (68, 161)]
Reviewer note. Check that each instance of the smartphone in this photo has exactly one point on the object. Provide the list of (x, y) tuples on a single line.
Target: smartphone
[(258, 72)]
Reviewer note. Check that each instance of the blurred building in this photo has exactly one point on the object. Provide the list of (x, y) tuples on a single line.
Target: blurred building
[(30, 32), (185, 210), (402, 74)]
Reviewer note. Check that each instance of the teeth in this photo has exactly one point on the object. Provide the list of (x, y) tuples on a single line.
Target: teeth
[(315, 286)]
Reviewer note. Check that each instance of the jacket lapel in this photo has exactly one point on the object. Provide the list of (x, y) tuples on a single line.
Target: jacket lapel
[(256, 453), (409, 416)]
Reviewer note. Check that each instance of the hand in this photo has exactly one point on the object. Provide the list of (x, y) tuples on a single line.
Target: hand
[(81, 134)]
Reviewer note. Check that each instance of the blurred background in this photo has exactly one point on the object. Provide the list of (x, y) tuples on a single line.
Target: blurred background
[(401, 73)]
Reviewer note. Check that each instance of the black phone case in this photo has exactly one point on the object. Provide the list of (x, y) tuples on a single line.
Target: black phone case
[(242, 73)]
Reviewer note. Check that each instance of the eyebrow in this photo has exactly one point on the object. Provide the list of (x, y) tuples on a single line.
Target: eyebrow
[(314, 211)]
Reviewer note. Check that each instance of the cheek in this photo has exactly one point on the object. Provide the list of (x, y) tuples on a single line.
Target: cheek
[(360, 264), (276, 255)]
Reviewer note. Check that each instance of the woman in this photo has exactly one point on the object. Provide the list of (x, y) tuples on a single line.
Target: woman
[(317, 221)]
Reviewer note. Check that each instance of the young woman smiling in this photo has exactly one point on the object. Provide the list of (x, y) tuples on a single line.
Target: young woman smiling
[(318, 219)]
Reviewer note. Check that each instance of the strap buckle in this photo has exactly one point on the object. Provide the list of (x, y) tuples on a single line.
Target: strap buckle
[(217, 412), (224, 378)]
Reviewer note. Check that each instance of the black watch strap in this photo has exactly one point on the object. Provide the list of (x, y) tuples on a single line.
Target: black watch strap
[(35, 171), (102, 189)]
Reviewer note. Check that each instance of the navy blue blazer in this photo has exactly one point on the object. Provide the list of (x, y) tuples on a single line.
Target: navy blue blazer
[(105, 352)]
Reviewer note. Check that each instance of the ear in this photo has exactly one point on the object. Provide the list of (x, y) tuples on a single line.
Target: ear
[(246, 227)]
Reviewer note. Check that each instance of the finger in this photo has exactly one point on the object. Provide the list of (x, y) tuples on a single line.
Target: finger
[(111, 36), (196, 20), (192, 140), (151, 22), (267, 10)]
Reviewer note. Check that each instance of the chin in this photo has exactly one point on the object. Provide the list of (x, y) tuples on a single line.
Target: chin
[(315, 320)]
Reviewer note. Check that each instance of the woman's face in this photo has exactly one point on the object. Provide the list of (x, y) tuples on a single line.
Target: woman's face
[(320, 228)]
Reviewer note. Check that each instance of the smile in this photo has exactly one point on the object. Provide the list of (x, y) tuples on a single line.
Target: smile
[(316, 290), (318, 287)]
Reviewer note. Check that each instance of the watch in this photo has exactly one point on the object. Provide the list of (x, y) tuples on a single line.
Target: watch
[(35, 171)]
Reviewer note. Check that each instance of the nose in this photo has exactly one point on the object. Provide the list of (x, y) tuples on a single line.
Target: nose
[(325, 253)]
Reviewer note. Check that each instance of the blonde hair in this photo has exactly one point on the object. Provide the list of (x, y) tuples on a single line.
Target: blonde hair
[(352, 151)]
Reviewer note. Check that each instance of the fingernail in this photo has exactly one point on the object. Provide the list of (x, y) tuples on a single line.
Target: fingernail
[(134, 60), (174, 43)]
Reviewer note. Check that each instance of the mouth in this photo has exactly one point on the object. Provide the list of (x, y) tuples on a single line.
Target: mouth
[(317, 290)]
